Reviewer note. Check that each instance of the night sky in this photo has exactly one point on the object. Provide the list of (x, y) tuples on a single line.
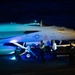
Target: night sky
[(51, 12)]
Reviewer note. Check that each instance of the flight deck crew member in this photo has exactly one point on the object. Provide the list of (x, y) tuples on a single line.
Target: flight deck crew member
[(17, 53), (54, 48), (71, 52), (42, 51)]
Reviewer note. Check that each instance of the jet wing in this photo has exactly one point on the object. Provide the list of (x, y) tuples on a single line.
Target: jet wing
[(65, 45)]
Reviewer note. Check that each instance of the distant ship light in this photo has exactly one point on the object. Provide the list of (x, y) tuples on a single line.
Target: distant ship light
[(35, 21)]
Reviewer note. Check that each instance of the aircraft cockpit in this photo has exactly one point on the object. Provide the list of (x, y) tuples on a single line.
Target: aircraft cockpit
[(60, 29)]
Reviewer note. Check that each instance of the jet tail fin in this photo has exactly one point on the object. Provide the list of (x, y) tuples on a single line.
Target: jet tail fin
[(41, 23)]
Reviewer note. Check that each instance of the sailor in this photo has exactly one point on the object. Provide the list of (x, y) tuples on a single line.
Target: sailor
[(71, 51), (17, 53), (42, 51), (54, 49)]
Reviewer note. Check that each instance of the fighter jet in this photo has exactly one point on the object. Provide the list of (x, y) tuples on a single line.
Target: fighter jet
[(33, 32)]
